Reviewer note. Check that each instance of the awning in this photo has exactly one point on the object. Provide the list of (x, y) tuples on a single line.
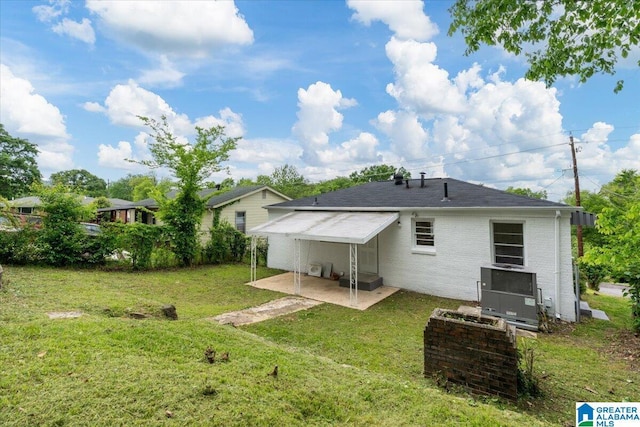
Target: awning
[(327, 226), (585, 219)]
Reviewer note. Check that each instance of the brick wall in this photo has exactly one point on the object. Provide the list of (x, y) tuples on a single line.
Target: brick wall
[(477, 352)]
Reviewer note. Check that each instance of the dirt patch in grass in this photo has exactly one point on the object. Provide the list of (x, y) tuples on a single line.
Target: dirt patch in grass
[(625, 345)]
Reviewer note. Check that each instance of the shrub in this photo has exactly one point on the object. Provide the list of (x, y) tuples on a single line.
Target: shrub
[(20, 247), (262, 250), (593, 272), (226, 244), (140, 240)]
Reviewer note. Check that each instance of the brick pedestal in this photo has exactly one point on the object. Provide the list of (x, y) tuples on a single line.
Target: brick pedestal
[(478, 352)]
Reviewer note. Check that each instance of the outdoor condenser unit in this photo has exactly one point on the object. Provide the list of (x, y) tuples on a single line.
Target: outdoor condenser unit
[(511, 293)]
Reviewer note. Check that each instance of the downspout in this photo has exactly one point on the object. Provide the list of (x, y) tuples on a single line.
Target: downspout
[(557, 272)]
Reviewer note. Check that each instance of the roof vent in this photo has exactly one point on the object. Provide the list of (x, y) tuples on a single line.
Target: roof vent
[(422, 179), (397, 177), (446, 193)]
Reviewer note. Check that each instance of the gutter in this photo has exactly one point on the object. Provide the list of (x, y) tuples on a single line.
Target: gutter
[(557, 263)]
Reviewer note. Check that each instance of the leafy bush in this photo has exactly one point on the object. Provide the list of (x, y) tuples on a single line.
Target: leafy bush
[(62, 239), (20, 247), (226, 244), (633, 278), (140, 240), (527, 382), (262, 250), (594, 272), (162, 257)]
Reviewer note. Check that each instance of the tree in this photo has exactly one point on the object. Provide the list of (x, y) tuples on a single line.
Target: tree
[(147, 186), (18, 167), (62, 239), (559, 37), (373, 173), (287, 180), (80, 181), (190, 164), (619, 222), (542, 194)]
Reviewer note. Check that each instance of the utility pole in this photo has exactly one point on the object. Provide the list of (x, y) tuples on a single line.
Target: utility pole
[(577, 184)]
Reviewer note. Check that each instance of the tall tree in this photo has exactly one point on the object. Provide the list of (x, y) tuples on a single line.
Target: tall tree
[(190, 164), (373, 173), (558, 37), (18, 167), (542, 194), (378, 173), (619, 222), (287, 180), (80, 181)]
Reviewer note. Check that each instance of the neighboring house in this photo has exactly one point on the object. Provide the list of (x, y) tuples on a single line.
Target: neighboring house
[(242, 207), (31, 205), (428, 235)]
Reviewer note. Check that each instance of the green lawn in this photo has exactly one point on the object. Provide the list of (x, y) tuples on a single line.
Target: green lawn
[(337, 366)]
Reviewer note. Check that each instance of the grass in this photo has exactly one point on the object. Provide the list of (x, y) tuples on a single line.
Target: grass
[(337, 366)]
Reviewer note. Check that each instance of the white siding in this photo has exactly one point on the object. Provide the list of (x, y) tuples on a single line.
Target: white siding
[(462, 246), (252, 204)]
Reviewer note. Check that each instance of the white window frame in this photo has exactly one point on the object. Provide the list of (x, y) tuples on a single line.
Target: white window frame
[(244, 224), (494, 244), (421, 248)]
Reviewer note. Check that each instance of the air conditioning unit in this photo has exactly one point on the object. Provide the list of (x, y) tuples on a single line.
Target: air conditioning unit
[(510, 292), (315, 270)]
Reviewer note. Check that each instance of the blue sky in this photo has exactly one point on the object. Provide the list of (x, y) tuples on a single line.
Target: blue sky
[(327, 86)]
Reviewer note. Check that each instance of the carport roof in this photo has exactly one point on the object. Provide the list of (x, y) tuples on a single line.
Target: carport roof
[(327, 226)]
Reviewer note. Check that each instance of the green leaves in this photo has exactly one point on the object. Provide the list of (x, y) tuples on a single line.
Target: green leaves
[(558, 37), (18, 166), (190, 164)]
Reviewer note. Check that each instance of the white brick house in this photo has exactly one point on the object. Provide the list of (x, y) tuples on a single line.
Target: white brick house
[(433, 237)]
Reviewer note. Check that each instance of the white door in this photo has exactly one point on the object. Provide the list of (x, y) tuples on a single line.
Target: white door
[(368, 257)]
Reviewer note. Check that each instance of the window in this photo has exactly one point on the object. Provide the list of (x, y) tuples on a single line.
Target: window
[(25, 211), (423, 235), (240, 221), (508, 243)]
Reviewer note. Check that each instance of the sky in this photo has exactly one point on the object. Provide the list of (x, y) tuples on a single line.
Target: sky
[(329, 87)]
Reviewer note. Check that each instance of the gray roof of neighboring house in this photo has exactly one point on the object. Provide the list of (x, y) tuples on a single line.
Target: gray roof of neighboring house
[(386, 195), (34, 201), (216, 199)]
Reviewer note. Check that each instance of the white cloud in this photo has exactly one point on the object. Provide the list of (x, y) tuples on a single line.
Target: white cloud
[(82, 31), (174, 27), (46, 13), (125, 103), (405, 18), (318, 116), (22, 110), (408, 137), (421, 85), (232, 122), (628, 157), (362, 149), (93, 107), (165, 75), (266, 153)]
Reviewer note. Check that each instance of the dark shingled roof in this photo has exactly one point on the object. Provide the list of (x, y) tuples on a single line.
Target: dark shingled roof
[(387, 195), (215, 200)]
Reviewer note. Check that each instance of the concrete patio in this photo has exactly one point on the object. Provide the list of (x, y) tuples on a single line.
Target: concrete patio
[(325, 290)]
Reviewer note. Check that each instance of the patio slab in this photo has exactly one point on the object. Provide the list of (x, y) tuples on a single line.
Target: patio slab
[(325, 290)]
